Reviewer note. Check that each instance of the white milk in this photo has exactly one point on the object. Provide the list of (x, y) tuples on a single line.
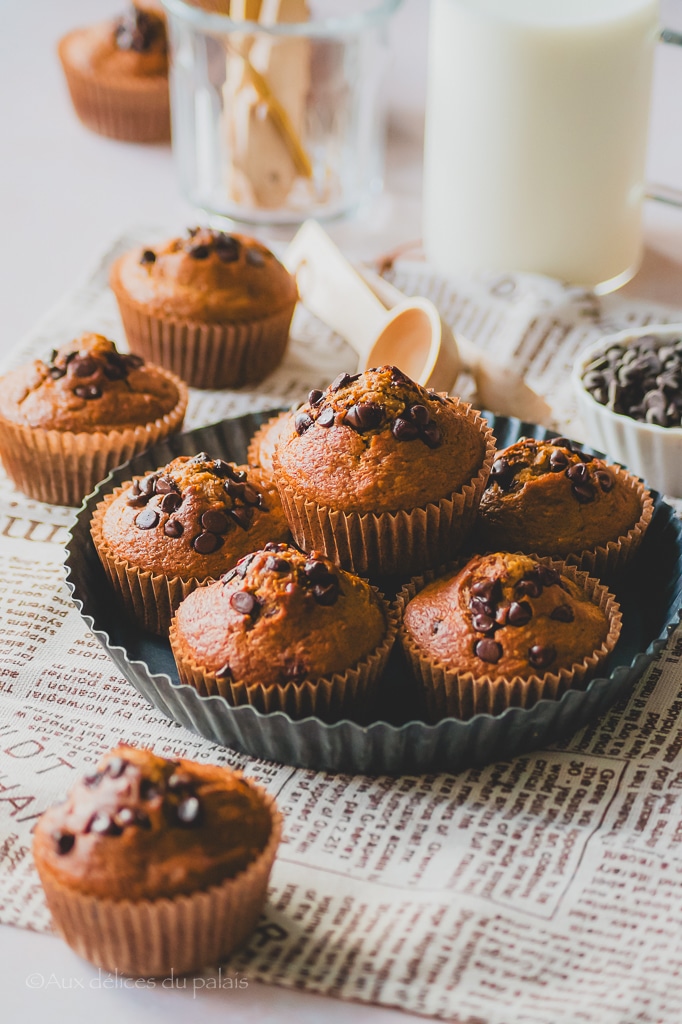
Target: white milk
[(536, 135)]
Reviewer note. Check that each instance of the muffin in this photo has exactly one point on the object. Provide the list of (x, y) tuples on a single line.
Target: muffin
[(382, 475), (67, 421), (162, 535), (262, 444), (214, 308), (551, 498), (506, 630), (117, 74), (285, 631), (153, 867)]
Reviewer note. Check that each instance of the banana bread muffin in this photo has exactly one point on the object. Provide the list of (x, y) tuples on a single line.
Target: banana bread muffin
[(382, 475), (161, 536), (285, 631), (506, 629), (214, 308), (152, 866), (67, 421), (552, 498), (117, 74)]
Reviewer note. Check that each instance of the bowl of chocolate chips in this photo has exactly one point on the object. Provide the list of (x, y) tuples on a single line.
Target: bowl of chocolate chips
[(629, 390)]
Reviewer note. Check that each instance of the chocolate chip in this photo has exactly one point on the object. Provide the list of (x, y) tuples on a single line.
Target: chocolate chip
[(250, 495), (488, 650), (243, 602), (273, 545), (137, 500), (222, 469), (148, 256), (342, 381), (227, 249), (483, 623), (295, 670), (326, 593), (562, 613), (173, 528), (605, 479), (419, 414), (584, 493), (188, 811), (520, 612), (115, 767), (431, 435), (277, 564), (502, 473), (180, 780), (484, 588), (255, 258), (131, 816), (578, 473), (326, 417), (364, 416), (315, 396), (56, 373), (215, 520), (528, 587), (148, 485), (502, 613), (84, 366), (541, 655), (94, 779), (242, 516), (558, 460), (403, 430), (147, 519), (199, 252), (562, 442), (64, 841), (87, 391), (170, 502), (206, 543), (225, 672), (302, 421), (164, 485), (482, 606), (316, 570)]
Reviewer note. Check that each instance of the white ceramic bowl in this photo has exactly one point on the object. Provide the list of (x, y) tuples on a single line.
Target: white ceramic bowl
[(650, 451)]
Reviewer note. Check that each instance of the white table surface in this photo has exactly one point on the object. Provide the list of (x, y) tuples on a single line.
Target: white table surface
[(65, 195)]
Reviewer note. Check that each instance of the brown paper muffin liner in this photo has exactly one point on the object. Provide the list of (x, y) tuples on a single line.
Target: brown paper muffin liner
[(152, 938), (391, 543), (61, 467), (208, 355), (345, 694), (256, 455), (608, 560), (134, 111), (453, 694), (149, 598)]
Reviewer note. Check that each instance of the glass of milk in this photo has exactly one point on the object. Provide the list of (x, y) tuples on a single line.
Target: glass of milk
[(536, 134)]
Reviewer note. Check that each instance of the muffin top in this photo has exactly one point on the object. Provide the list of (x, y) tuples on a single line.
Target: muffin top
[(143, 827), (193, 518), (392, 444), (133, 47), (88, 386), (263, 442), (505, 615), (551, 498), (280, 616), (209, 275)]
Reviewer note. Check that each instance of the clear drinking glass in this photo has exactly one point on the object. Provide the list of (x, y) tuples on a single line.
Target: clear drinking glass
[(536, 133), (273, 123)]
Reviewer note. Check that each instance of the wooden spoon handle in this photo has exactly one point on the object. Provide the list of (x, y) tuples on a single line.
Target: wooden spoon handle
[(331, 288)]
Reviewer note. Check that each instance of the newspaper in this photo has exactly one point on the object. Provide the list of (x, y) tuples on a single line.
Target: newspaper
[(545, 889)]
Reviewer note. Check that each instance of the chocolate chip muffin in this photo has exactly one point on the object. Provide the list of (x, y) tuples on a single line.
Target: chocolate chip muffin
[(552, 498), (117, 74), (67, 420), (214, 308), (506, 630), (161, 536), (286, 631), (152, 865), (382, 475), (262, 444)]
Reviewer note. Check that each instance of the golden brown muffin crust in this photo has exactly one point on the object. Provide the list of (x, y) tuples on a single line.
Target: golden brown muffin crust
[(194, 517), (280, 616), (132, 48), (88, 386), (378, 442), (551, 498), (505, 615), (143, 827), (209, 276)]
